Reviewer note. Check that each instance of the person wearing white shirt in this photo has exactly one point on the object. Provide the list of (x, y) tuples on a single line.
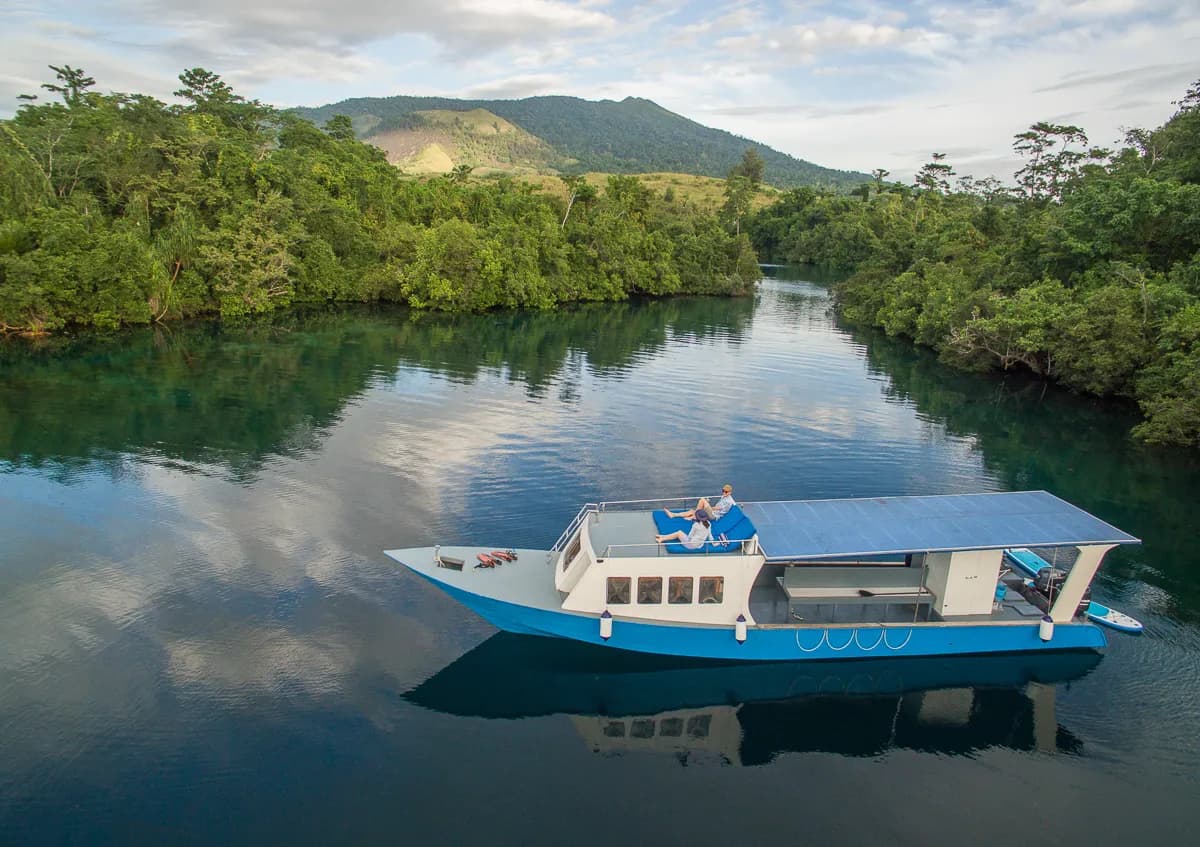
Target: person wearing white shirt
[(692, 540)]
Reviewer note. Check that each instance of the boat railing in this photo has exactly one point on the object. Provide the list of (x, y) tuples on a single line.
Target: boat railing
[(611, 506), (574, 525), (638, 505), (746, 545), (615, 506)]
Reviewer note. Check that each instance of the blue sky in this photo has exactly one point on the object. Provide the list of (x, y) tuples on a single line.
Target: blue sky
[(849, 84)]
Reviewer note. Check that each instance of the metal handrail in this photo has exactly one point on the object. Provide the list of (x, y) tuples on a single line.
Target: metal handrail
[(561, 543), (588, 508), (708, 543), (686, 499)]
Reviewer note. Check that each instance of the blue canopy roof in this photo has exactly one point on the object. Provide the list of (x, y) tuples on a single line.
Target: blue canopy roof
[(819, 529)]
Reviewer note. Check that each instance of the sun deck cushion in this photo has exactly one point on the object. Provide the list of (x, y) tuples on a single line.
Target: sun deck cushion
[(735, 532), (728, 521), (668, 525)]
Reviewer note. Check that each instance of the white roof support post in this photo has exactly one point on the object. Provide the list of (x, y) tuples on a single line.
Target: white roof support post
[(1077, 582)]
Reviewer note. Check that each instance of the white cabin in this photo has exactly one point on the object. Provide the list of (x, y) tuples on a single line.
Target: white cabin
[(925, 559)]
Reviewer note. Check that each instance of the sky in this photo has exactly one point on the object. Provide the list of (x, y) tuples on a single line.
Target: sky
[(849, 84)]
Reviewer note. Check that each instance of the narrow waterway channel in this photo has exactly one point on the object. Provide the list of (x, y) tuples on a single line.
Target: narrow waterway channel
[(201, 643)]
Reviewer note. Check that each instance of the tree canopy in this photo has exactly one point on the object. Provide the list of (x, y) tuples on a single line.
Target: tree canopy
[(119, 209)]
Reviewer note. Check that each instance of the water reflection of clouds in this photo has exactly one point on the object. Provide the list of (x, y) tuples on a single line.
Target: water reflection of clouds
[(271, 659), (236, 592), (414, 452)]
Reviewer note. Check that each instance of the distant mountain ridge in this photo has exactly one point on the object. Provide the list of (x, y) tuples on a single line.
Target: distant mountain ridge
[(633, 135)]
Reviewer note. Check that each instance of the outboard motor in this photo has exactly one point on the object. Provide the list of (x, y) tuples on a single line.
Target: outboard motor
[(1049, 582)]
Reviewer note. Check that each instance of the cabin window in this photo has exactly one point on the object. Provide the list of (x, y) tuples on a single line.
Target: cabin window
[(698, 726), (679, 589), (642, 728), (614, 729), (712, 589), (671, 727), (618, 589), (649, 589)]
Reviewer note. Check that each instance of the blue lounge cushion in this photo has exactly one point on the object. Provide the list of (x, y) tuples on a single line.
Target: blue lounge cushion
[(742, 530), (668, 525), (728, 521)]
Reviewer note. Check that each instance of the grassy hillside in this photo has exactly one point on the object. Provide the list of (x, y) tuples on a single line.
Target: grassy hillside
[(630, 136), (705, 193), (436, 140)]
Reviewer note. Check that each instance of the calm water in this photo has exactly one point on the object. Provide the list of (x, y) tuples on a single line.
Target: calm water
[(201, 643)]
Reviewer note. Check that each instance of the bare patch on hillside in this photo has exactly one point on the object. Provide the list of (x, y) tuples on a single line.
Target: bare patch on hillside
[(476, 137), (432, 160)]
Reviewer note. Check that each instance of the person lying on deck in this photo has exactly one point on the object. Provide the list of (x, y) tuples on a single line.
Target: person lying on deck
[(692, 540), (703, 509)]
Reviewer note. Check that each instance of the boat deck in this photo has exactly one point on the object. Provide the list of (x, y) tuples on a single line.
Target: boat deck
[(624, 534)]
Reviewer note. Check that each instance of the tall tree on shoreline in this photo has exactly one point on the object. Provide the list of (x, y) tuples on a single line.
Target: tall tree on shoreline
[(739, 191), (751, 167), (209, 94), (935, 175), (1052, 160), (74, 83)]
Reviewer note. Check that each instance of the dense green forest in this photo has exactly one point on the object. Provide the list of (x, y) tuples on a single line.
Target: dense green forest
[(119, 209), (1086, 273), (631, 136)]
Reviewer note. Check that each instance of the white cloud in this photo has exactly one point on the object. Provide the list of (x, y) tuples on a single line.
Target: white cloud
[(800, 43), (853, 85), (514, 87), (458, 25)]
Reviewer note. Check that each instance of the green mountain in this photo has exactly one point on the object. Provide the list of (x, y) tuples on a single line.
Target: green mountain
[(630, 136)]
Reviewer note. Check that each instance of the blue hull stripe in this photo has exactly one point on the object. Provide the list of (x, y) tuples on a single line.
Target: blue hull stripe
[(782, 643)]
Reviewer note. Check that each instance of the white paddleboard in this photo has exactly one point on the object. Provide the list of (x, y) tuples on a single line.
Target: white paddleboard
[(1105, 616)]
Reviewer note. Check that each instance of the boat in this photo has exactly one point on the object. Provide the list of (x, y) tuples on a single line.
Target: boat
[(796, 580), (747, 713)]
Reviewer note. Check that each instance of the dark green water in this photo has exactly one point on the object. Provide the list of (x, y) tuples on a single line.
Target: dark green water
[(201, 643)]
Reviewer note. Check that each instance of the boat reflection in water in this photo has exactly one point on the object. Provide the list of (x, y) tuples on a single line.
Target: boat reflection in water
[(746, 714)]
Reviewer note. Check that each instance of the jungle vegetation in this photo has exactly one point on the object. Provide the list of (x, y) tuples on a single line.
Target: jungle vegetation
[(1087, 272), (119, 209)]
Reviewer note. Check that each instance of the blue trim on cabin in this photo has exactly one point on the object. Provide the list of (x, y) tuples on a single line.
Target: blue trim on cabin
[(784, 643)]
